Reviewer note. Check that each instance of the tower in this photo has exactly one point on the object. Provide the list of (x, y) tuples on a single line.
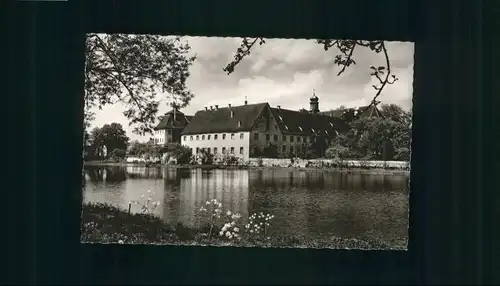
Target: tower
[(314, 103)]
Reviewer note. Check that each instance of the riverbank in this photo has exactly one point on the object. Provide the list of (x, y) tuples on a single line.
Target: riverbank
[(376, 167), (107, 224)]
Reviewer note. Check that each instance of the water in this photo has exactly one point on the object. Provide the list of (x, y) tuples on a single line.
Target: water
[(312, 203)]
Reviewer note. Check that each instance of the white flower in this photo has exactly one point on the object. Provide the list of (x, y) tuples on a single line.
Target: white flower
[(120, 241), (236, 229), (233, 223), (228, 213), (149, 198), (218, 211), (208, 203), (236, 216), (247, 226), (220, 205), (221, 233), (149, 191)]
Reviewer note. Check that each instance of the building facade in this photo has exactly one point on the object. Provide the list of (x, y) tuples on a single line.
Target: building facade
[(170, 127), (254, 130)]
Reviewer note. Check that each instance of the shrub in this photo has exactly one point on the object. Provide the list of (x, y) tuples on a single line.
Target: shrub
[(182, 154)]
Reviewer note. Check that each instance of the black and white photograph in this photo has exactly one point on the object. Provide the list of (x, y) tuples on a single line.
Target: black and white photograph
[(247, 142)]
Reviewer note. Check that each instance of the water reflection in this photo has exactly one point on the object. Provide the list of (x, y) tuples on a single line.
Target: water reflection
[(304, 202)]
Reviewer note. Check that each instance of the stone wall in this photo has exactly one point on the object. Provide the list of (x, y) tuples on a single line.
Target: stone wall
[(322, 163)]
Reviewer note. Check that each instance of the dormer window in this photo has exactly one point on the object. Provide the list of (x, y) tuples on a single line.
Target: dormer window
[(300, 128), (232, 113), (239, 124), (331, 124), (286, 127), (281, 118)]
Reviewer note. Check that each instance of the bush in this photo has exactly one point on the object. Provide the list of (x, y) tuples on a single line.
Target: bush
[(117, 154), (182, 154)]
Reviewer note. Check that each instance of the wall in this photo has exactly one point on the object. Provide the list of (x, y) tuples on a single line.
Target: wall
[(302, 163), (219, 143), (267, 124)]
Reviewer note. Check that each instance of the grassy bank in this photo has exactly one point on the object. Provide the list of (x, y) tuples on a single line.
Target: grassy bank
[(103, 223)]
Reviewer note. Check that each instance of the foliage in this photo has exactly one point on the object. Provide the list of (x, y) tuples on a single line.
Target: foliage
[(118, 154), (148, 150), (133, 70), (383, 74), (259, 223), (271, 151), (103, 223), (147, 206), (206, 157), (214, 210), (182, 154), (112, 136)]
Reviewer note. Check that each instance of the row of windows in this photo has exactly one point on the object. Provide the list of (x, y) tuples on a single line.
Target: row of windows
[(209, 137), (291, 138), (215, 150), (162, 131)]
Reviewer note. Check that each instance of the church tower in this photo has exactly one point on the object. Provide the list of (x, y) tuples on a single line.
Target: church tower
[(314, 103)]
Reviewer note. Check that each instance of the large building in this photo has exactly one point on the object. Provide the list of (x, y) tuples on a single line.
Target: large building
[(170, 127), (247, 130)]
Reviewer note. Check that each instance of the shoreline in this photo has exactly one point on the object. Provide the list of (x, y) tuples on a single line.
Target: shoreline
[(370, 170), (102, 223)]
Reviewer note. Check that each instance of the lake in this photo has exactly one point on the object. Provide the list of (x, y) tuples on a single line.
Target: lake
[(315, 203)]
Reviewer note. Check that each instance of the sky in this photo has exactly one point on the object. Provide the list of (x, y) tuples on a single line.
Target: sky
[(282, 72)]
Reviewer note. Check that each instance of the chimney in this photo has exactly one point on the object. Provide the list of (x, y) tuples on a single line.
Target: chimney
[(216, 107), (279, 107), (246, 102), (211, 107), (175, 113), (229, 105), (206, 108)]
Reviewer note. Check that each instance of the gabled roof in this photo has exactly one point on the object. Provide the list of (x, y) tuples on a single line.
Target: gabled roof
[(308, 124), (350, 114), (220, 120), (167, 121)]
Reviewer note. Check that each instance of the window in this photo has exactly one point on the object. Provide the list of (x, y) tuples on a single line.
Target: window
[(208, 137), (291, 149), (202, 137), (215, 150), (197, 150), (215, 137), (239, 123), (223, 150), (256, 136), (284, 148), (223, 136), (191, 137), (268, 137), (242, 135), (284, 137), (241, 150), (275, 137), (208, 150), (197, 137), (232, 150), (232, 136), (298, 139), (169, 131), (232, 113), (291, 138)]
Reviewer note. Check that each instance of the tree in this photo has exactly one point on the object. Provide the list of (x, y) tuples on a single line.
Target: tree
[(133, 70), (110, 135), (346, 48), (392, 111)]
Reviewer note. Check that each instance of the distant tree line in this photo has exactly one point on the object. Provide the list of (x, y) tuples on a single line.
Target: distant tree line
[(107, 142)]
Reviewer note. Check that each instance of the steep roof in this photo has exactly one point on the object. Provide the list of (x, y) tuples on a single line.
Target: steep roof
[(308, 124), (220, 120), (350, 114), (167, 121)]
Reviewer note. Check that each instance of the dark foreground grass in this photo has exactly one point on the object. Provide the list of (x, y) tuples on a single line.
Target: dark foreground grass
[(103, 223)]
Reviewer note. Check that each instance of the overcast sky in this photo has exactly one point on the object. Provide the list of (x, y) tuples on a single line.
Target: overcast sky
[(283, 72)]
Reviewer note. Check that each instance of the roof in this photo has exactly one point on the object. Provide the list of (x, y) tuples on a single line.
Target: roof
[(350, 114), (167, 121), (220, 120), (308, 124)]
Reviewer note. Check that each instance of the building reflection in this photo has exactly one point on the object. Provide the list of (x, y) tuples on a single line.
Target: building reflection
[(228, 187)]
